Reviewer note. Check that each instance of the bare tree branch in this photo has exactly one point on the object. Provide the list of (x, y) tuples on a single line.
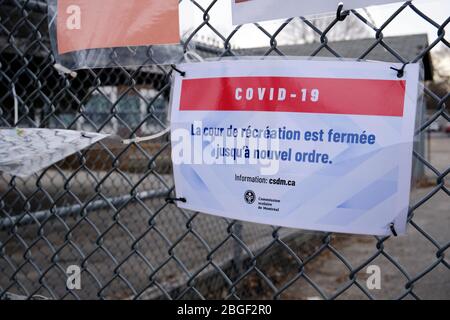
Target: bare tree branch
[(299, 31)]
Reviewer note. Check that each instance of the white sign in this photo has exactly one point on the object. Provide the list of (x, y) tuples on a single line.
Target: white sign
[(320, 145), (245, 11)]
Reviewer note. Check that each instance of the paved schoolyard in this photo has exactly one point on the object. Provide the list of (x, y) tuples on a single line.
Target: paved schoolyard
[(111, 259)]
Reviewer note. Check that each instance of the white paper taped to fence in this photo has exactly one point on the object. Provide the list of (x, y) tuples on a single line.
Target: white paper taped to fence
[(320, 145), (26, 151), (245, 11)]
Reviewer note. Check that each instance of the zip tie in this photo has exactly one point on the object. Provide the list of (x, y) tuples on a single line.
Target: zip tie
[(401, 71), (85, 135), (392, 227), (147, 138), (341, 15), (65, 70), (182, 73), (172, 200), (188, 59)]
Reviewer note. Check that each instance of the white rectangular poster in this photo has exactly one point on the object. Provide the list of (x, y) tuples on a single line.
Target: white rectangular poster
[(245, 11), (319, 145)]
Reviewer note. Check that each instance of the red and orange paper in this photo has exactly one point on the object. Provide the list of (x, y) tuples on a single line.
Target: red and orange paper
[(95, 24)]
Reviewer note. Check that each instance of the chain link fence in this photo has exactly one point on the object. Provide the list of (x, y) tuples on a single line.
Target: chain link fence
[(108, 210)]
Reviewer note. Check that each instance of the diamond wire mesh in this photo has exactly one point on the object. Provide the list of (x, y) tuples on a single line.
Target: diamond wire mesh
[(106, 209)]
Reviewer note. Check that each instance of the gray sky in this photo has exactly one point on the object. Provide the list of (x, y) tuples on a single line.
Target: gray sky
[(408, 22)]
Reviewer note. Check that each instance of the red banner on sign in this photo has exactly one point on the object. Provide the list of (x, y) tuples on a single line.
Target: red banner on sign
[(91, 24), (289, 94)]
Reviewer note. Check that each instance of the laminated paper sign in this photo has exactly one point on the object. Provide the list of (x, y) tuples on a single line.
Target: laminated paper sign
[(320, 145), (93, 24), (245, 11)]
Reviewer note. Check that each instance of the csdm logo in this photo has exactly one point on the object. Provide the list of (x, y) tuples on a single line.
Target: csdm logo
[(249, 196)]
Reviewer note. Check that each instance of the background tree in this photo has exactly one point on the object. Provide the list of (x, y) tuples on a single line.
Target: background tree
[(298, 31)]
